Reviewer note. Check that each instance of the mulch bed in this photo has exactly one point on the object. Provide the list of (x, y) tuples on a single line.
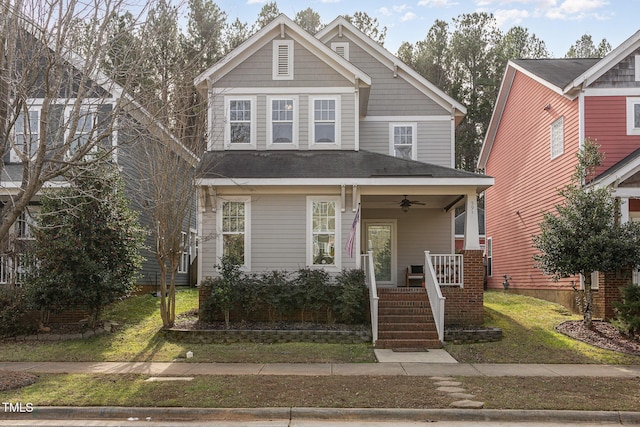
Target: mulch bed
[(10, 380), (601, 334)]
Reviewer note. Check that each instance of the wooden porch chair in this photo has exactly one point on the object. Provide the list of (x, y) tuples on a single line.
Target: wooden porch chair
[(414, 272)]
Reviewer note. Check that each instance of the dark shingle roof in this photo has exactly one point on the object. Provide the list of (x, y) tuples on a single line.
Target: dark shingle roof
[(559, 72), (318, 164)]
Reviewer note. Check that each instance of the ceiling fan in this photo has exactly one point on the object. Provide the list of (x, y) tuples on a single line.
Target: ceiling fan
[(405, 204)]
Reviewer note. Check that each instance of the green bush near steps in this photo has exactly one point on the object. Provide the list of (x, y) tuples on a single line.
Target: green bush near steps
[(306, 295)]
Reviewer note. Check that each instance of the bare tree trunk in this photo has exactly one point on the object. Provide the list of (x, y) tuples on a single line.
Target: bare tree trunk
[(588, 301)]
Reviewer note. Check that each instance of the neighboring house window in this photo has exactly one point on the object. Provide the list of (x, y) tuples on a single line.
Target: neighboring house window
[(489, 252), (595, 281), (325, 126), (83, 131), (234, 225), (26, 136), (24, 226), (283, 129), (323, 221), (240, 126), (283, 59), (341, 48), (557, 138), (403, 140), (184, 256), (633, 116)]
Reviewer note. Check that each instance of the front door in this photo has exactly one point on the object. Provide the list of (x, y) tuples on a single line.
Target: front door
[(381, 239)]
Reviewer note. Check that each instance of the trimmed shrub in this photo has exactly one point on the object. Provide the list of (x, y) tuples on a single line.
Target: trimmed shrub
[(352, 301), (627, 319), (14, 311)]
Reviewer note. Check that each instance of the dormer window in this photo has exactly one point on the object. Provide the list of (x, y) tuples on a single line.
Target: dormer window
[(341, 48), (26, 136), (283, 59)]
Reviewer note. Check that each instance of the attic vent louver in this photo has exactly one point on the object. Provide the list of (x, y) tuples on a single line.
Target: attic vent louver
[(283, 60), (341, 48)]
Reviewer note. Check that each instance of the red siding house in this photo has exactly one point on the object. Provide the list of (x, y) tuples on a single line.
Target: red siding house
[(545, 110)]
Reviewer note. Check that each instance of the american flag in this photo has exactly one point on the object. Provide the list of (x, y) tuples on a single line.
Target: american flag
[(352, 234)]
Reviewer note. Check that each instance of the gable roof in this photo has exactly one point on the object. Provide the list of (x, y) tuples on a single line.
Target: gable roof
[(324, 165), (620, 171), (565, 76), (340, 25), (278, 27)]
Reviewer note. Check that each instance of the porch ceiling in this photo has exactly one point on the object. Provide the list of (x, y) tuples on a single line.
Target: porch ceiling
[(439, 201)]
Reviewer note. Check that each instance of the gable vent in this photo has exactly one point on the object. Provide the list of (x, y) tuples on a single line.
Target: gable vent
[(341, 49), (283, 60)]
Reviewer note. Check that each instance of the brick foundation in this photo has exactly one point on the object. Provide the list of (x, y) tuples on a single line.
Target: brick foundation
[(609, 292), (464, 306)]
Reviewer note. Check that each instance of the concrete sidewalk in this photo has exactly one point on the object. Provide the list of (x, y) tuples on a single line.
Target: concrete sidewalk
[(186, 369)]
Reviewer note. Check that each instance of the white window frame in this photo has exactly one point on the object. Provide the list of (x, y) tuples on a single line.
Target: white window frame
[(595, 281), (556, 138), (252, 123), (337, 255), (414, 137), (637, 67), (341, 46), (13, 156), (294, 123), (82, 112), (279, 72), (489, 256), (312, 122), (631, 105), (183, 266), (247, 228)]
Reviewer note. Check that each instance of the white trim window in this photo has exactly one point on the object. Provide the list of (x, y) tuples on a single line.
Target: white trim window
[(489, 255), (323, 232), (184, 255), (234, 223), (557, 138), (341, 48), (283, 60), (402, 139), (85, 129), (633, 116), (283, 129), (26, 136), (325, 123), (240, 129)]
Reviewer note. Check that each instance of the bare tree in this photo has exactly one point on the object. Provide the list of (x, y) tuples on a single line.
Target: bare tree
[(57, 109)]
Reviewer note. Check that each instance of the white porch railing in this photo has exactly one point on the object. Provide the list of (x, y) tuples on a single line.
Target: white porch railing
[(435, 294), (370, 280), (449, 269)]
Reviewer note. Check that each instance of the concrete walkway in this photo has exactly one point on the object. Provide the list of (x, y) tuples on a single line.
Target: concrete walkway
[(398, 368)]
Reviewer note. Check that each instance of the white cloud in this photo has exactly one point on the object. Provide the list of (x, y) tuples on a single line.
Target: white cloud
[(509, 17), (400, 8), (384, 11), (330, 1), (409, 16), (576, 9), (437, 3), (256, 1)]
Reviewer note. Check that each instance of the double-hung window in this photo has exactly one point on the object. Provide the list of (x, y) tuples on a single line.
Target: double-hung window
[(325, 126), (403, 140), (633, 116), (557, 138), (184, 255), (240, 126), (323, 240), (489, 255), (26, 136), (234, 225), (85, 122), (282, 133)]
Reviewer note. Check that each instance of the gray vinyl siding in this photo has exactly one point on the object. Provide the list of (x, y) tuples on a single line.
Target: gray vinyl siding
[(308, 70), (278, 234), (390, 96), (433, 145), (418, 230)]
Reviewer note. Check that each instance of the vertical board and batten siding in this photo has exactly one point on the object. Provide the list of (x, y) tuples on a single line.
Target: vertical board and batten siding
[(309, 73), (417, 231), (433, 144), (278, 234), (605, 120), (526, 179)]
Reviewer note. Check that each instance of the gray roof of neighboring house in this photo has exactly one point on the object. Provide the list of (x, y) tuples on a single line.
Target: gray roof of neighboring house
[(460, 223), (318, 164), (559, 72)]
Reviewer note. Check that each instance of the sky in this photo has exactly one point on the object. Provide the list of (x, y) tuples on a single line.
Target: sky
[(559, 23)]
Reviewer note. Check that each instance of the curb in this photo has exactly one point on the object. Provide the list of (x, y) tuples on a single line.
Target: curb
[(323, 414)]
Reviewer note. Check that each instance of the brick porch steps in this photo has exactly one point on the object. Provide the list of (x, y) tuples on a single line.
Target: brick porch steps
[(405, 320)]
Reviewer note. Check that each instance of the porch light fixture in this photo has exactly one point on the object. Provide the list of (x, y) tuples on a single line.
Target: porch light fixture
[(405, 208)]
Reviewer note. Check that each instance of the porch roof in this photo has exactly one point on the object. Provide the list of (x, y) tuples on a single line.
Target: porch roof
[(320, 164)]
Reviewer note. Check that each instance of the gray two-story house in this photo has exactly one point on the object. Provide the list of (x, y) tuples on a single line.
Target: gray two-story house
[(328, 152)]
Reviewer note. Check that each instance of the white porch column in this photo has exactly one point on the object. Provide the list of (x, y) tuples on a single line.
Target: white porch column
[(624, 210), (471, 229)]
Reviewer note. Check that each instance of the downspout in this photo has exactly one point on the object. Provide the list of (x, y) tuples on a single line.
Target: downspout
[(356, 116)]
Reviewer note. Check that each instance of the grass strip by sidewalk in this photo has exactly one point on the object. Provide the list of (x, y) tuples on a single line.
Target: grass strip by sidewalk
[(557, 393)]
